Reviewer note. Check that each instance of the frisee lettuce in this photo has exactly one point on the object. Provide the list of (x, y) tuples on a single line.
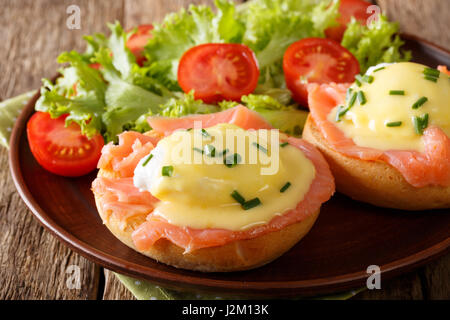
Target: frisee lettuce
[(374, 44)]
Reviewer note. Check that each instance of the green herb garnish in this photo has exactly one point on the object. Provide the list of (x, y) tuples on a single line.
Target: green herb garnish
[(188, 129), (381, 68), (358, 80), (198, 150), (368, 79), (420, 103), (147, 160), (260, 147), (349, 92), (432, 72), (246, 205), (232, 160), (210, 150), (352, 100), (285, 187), (167, 171), (284, 144), (361, 98), (237, 196), (394, 124), (340, 112), (420, 123), (205, 133), (430, 78), (251, 204), (397, 92)]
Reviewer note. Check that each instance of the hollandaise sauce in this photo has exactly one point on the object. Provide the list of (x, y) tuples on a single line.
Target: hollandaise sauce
[(391, 105), (224, 177)]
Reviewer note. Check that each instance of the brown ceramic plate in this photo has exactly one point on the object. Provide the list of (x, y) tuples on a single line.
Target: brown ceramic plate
[(347, 238)]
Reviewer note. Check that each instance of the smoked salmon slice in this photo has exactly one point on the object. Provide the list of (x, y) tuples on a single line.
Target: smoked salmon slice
[(124, 157), (444, 69), (432, 167), (239, 115), (120, 197)]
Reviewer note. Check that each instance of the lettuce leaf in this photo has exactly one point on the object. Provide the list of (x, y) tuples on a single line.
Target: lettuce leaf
[(374, 44), (79, 92), (288, 118)]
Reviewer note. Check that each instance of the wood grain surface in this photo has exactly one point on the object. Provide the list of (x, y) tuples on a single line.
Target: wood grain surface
[(34, 265)]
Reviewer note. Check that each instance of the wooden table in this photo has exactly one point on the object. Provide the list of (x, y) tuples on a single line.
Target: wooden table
[(34, 32)]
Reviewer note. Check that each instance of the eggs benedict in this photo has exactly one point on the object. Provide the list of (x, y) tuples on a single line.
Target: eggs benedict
[(219, 192), (386, 136)]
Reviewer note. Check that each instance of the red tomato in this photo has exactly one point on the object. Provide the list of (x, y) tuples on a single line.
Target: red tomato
[(348, 9), (316, 60), (218, 71), (138, 40), (62, 150)]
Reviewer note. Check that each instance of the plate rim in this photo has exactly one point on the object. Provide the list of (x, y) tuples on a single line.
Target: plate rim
[(177, 281)]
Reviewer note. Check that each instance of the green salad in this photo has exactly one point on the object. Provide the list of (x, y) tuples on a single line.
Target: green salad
[(121, 93)]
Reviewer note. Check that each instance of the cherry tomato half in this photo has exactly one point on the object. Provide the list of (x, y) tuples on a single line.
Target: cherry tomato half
[(62, 150), (317, 60), (218, 71), (347, 10), (138, 41)]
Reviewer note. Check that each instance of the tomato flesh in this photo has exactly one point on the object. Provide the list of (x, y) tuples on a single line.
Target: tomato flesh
[(62, 150), (218, 71), (138, 41), (317, 60), (347, 10)]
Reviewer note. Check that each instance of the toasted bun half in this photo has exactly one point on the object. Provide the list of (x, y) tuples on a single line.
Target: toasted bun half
[(234, 256), (375, 182)]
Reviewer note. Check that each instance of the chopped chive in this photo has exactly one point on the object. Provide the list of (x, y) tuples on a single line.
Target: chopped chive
[(340, 112), (420, 103), (205, 133), (394, 124), (285, 187), (224, 152), (368, 79), (430, 78), (284, 144), (232, 160), (349, 92), (358, 80), (251, 204), (352, 100), (260, 147), (198, 150), (147, 160), (361, 98), (432, 72), (381, 68), (167, 171), (210, 150), (397, 92), (237, 196), (188, 129), (420, 123)]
